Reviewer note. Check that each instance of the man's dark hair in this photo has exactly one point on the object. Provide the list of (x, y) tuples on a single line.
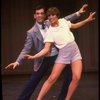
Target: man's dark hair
[(38, 8)]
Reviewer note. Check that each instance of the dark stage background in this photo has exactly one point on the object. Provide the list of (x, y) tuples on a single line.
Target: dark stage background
[(17, 18)]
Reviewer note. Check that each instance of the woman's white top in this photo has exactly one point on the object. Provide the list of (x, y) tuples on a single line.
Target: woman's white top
[(60, 35)]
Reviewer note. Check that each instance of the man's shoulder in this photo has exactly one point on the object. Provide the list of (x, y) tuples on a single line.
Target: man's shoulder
[(31, 29), (47, 22)]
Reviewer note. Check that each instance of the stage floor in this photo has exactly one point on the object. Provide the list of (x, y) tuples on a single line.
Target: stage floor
[(87, 89)]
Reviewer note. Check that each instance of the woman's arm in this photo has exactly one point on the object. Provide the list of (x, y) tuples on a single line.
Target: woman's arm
[(81, 23), (44, 51)]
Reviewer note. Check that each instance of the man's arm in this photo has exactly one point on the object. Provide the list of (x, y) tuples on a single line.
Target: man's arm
[(27, 48), (77, 14)]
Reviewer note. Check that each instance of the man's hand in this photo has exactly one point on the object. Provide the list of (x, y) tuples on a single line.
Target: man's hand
[(83, 9), (28, 57), (12, 65)]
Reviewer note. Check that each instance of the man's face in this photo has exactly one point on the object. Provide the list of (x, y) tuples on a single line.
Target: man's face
[(39, 16)]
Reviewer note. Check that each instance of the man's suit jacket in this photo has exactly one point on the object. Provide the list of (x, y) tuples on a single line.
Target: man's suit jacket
[(34, 38)]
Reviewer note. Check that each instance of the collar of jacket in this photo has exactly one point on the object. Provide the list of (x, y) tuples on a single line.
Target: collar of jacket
[(38, 33)]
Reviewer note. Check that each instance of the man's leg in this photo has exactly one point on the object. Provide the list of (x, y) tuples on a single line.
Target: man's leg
[(67, 79), (35, 78)]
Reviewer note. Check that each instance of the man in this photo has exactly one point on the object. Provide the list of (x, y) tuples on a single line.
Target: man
[(35, 37)]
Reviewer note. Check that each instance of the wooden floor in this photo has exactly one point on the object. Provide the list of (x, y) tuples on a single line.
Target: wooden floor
[(87, 89)]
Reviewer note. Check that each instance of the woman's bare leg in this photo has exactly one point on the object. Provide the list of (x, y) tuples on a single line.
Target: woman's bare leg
[(57, 69), (76, 74)]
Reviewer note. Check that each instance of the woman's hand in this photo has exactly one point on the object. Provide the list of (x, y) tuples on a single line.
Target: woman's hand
[(91, 16)]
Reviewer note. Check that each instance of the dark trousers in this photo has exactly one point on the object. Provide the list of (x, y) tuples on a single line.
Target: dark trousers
[(36, 77)]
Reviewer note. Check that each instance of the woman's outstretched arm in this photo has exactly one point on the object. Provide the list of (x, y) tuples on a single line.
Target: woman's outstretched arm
[(83, 22), (44, 51)]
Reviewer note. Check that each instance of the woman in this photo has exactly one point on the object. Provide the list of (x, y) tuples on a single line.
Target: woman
[(59, 34)]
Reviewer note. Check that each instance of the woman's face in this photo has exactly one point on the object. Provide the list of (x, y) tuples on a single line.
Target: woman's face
[(53, 20)]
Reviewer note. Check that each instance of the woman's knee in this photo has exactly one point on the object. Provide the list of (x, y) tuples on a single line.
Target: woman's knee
[(76, 78), (52, 79)]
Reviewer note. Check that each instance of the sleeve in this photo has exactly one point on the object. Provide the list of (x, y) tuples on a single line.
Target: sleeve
[(27, 48), (48, 37), (73, 16), (68, 23)]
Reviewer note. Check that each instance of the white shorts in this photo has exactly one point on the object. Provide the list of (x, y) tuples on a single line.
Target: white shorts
[(68, 54)]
